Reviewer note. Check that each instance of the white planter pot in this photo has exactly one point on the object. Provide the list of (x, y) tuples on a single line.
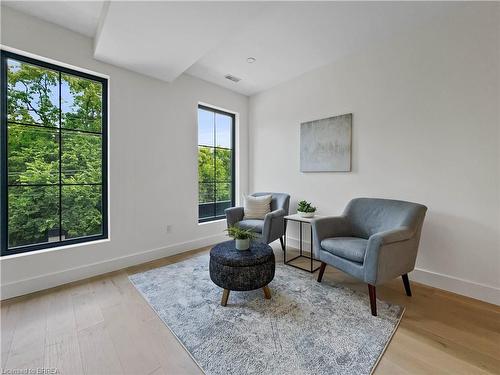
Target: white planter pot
[(242, 244), (305, 214)]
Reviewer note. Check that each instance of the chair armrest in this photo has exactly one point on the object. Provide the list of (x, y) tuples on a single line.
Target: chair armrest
[(391, 236), (274, 225), (385, 251), (326, 227), (234, 215), (275, 213)]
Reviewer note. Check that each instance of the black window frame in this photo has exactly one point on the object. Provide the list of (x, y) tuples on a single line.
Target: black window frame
[(233, 164), (5, 251)]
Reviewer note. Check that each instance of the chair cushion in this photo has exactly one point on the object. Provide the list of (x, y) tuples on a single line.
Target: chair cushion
[(257, 207), (254, 225), (351, 248)]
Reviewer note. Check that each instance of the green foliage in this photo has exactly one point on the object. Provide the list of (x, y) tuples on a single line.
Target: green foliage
[(240, 233), (86, 110), (81, 210), (214, 179), (304, 206), (33, 211), (32, 92), (33, 154)]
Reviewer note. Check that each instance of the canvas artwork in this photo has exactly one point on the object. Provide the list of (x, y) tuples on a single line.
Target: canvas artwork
[(325, 145)]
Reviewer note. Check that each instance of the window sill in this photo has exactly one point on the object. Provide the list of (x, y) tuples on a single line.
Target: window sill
[(58, 248), (212, 221)]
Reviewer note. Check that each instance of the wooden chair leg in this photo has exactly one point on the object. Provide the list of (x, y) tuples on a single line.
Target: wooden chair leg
[(225, 296), (373, 299), (282, 243), (321, 271), (267, 292), (406, 283)]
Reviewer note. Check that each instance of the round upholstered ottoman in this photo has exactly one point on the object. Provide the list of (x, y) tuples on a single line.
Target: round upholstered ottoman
[(237, 270)]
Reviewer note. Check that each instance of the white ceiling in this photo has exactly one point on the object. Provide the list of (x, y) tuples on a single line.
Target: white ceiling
[(163, 39), (211, 39), (80, 16)]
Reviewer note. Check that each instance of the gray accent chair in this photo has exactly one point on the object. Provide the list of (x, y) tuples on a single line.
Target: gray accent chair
[(272, 227), (375, 240)]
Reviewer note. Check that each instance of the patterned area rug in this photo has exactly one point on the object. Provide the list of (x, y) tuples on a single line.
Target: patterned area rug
[(305, 328)]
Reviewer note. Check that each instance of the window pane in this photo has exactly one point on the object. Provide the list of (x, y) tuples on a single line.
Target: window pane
[(220, 207), (223, 130), (215, 164), (206, 127), (81, 210), (206, 192), (54, 159), (223, 192), (81, 103), (205, 164), (33, 94), (81, 157), (33, 155), (206, 207), (224, 165), (206, 210), (32, 212)]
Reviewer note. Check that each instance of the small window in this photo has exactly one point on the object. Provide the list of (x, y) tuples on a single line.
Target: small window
[(215, 163), (53, 155)]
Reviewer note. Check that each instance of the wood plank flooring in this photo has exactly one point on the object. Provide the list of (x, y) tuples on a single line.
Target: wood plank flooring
[(103, 326)]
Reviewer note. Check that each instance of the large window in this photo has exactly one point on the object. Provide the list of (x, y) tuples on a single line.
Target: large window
[(215, 163), (53, 155)]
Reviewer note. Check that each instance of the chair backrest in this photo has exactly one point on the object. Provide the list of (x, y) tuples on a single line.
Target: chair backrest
[(368, 216), (278, 201)]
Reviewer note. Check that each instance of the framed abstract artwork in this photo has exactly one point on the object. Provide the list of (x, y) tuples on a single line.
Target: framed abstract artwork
[(325, 145)]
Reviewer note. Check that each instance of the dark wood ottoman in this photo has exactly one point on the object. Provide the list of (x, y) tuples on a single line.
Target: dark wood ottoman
[(237, 270)]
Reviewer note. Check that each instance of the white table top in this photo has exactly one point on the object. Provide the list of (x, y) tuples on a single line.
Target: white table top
[(296, 217)]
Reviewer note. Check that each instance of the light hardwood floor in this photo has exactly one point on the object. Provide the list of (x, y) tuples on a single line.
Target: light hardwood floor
[(102, 325)]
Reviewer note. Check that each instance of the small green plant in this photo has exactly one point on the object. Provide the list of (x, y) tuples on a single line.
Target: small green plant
[(305, 206), (240, 234)]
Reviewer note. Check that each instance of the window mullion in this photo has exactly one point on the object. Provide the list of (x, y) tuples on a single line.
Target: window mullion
[(215, 168), (3, 158), (60, 158), (51, 127)]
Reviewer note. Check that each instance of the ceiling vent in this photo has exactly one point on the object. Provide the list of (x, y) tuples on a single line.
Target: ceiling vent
[(232, 78)]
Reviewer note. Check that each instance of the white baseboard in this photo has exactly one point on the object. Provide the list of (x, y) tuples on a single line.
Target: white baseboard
[(486, 293), (483, 292), (50, 280)]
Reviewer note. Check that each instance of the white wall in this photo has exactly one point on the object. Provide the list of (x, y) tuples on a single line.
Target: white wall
[(153, 164), (425, 128)]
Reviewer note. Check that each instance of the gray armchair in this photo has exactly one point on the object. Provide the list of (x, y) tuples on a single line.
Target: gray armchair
[(272, 227), (375, 240)]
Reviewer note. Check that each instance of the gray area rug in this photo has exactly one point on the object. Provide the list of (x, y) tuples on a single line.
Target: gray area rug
[(305, 328)]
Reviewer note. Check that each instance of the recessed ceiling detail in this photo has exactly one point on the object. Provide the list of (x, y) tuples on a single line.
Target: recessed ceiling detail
[(208, 39)]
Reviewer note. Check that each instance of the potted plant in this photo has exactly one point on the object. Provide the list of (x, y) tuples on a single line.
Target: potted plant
[(305, 209), (241, 236)]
